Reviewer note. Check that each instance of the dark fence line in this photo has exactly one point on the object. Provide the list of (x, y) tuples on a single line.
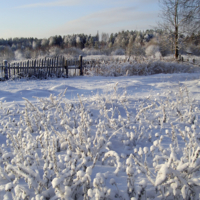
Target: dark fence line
[(42, 68)]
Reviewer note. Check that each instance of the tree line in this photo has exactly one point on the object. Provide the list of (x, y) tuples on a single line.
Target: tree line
[(177, 33), (124, 42)]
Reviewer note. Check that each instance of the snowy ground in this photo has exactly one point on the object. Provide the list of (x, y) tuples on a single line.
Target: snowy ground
[(136, 86), (100, 96)]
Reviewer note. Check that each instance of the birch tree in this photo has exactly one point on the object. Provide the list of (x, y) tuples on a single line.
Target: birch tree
[(179, 17)]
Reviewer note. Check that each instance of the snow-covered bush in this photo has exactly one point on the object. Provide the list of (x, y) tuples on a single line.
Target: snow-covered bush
[(19, 55), (152, 50), (107, 146), (89, 51), (135, 67), (119, 51), (158, 55), (54, 51), (73, 51)]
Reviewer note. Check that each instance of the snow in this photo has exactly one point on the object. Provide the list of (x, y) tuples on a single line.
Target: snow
[(140, 86), (119, 145), (9, 186), (162, 175)]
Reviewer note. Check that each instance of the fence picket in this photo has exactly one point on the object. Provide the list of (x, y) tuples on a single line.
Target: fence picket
[(81, 65), (53, 66), (56, 66), (22, 68), (9, 75), (14, 69), (28, 68), (42, 68), (5, 65), (48, 67), (45, 69), (34, 69), (66, 66), (37, 66)]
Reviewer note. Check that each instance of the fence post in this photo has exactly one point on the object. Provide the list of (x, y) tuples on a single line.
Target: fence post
[(47, 66), (56, 64), (34, 65), (27, 71), (9, 71), (20, 69), (81, 65), (66, 68), (14, 69), (50, 67), (17, 69), (5, 64)]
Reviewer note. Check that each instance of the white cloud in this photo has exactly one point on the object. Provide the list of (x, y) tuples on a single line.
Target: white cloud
[(110, 20)]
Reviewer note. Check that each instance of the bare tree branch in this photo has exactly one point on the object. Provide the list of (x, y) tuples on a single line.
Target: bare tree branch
[(179, 17)]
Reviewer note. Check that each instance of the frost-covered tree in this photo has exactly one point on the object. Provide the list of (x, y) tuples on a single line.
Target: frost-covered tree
[(138, 39), (51, 41), (78, 41), (34, 45), (179, 16), (130, 46), (44, 42)]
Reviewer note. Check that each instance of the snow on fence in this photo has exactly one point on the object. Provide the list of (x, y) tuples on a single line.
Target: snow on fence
[(42, 68), (106, 66)]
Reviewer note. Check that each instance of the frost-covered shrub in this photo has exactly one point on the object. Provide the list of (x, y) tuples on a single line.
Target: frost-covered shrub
[(41, 133), (89, 51), (135, 67), (108, 146), (54, 51), (119, 51), (175, 168), (158, 55), (73, 51), (151, 50)]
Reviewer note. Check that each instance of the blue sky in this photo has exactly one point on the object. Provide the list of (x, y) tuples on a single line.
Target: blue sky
[(45, 18)]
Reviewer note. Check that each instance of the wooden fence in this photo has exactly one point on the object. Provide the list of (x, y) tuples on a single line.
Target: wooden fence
[(60, 67), (42, 68)]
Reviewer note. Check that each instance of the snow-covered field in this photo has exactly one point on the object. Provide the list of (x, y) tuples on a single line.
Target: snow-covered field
[(128, 137)]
